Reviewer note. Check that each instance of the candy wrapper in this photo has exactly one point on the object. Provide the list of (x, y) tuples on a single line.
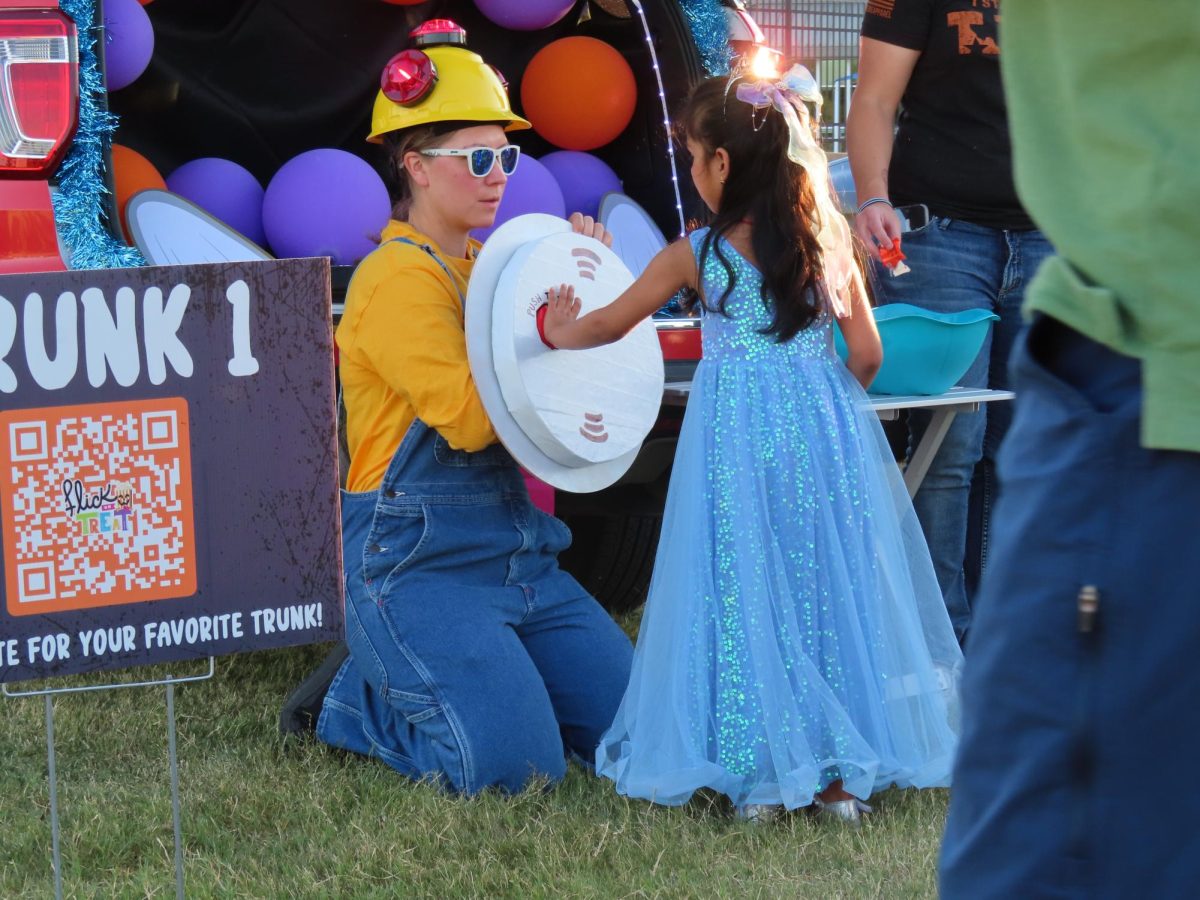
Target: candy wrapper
[(893, 258)]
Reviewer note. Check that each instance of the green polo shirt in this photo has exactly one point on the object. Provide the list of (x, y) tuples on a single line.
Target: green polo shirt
[(1104, 109)]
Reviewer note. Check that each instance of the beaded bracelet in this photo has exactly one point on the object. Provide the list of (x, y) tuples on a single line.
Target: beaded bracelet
[(873, 200)]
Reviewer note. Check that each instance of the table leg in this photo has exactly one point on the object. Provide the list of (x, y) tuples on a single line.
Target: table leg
[(927, 448)]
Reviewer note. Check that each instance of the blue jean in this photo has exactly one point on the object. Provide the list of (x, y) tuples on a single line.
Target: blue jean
[(474, 660), (1074, 775), (958, 265)]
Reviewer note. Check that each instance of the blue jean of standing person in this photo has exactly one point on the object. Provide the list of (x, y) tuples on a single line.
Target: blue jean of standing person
[(958, 265), (1074, 775), (474, 660)]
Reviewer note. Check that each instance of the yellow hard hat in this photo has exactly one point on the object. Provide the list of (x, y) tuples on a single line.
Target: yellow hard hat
[(440, 81)]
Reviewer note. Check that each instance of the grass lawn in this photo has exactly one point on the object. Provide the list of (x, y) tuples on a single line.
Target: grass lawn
[(265, 819)]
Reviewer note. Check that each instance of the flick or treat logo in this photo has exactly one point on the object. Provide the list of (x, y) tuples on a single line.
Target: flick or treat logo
[(99, 509)]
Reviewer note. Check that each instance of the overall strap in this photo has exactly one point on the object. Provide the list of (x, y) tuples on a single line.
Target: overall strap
[(418, 432), (437, 259)]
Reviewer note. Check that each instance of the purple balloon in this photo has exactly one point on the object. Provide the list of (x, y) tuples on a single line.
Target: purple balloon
[(530, 189), (325, 203), (226, 190), (584, 179), (128, 42), (524, 15)]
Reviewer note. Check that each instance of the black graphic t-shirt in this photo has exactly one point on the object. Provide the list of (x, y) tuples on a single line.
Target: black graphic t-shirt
[(952, 150)]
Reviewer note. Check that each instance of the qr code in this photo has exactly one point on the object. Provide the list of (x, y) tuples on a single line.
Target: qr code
[(97, 505)]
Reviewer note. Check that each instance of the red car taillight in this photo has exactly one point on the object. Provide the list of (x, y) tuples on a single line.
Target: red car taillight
[(38, 90)]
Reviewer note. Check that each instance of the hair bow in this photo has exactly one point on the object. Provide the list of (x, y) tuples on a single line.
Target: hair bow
[(790, 96)]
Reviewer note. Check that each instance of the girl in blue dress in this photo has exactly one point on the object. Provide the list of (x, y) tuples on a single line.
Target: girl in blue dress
[(795, 650)]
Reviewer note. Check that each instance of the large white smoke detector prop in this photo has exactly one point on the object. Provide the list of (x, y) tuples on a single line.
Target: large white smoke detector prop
[(574, 418)]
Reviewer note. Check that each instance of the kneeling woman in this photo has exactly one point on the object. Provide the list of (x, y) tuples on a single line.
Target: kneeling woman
[(473, 658)]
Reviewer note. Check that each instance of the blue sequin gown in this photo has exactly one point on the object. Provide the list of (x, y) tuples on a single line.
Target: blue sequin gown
[(794, 632)]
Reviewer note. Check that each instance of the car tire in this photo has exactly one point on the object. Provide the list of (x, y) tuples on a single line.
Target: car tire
[(612, 556)]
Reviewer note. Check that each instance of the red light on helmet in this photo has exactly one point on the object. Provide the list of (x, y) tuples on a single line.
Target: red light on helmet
[(438, 31), (408, 77), (38, 90)]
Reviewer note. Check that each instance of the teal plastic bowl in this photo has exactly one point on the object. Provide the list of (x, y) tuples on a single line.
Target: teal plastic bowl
[(924, 352)]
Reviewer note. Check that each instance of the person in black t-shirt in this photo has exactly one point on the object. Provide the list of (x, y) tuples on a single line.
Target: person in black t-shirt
[(945, 172)]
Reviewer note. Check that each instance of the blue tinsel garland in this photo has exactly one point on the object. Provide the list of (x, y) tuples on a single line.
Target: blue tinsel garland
[(706, 18), (78, 206)]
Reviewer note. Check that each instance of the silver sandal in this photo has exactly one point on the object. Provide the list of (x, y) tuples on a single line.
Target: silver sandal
[(849, 811), (759, 813)]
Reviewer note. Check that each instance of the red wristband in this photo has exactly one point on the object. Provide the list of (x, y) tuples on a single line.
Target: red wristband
[(541, 324)]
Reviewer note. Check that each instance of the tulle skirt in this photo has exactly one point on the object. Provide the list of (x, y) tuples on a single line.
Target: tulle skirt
[(794, 632)]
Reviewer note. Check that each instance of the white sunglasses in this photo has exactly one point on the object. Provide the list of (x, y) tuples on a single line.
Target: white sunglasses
[(482, 160)]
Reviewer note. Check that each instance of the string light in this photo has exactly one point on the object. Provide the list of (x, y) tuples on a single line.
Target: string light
[(662, 99), (706, 22)]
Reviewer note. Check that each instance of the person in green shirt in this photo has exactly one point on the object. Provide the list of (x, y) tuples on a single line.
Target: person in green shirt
[(1078, 733)]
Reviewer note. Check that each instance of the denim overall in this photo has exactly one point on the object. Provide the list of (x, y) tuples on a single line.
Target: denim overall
[(473, 658)]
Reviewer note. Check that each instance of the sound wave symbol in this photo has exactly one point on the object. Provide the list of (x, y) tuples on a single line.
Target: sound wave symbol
[(593, 428), (587, 261)]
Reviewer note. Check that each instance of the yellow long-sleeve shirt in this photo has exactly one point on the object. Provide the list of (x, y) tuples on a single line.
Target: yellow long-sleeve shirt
[(403, 355)]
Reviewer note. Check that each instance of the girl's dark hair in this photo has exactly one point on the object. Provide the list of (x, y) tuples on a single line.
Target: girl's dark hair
[(766, 187)]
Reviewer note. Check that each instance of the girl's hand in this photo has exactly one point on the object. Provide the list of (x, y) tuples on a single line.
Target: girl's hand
[(877, 226), (562, 309), (589, 227)]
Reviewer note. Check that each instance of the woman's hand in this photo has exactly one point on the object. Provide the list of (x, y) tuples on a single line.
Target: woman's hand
[(589, 227), (562, 309), (877, 226)]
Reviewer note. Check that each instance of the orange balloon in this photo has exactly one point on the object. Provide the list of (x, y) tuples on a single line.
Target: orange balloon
[(579, 93), (132, 172), (145, 2)]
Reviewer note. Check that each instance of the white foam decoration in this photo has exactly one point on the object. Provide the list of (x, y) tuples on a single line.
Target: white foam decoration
[(554, 392), (171, 231), (636, 238)]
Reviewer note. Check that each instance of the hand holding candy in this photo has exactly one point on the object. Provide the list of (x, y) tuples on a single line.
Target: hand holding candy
[(893, 258)]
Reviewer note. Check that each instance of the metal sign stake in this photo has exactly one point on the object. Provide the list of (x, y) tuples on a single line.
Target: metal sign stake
[(172, 756), (56, 857)]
